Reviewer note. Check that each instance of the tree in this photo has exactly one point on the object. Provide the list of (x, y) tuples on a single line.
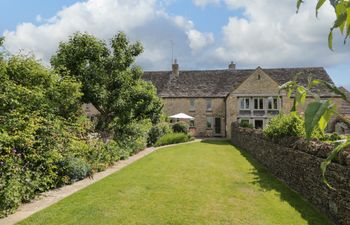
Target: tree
[(342, 22), (2, 40), (110, 80)]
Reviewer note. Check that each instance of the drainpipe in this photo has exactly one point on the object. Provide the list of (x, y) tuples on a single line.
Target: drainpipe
[(225, 119)]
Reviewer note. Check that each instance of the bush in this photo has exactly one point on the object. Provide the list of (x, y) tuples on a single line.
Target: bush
[(181, 127), (173, 138), (158, 131), (245, 124), (134, 137), (285, 126), (74, 168), (288, 125)]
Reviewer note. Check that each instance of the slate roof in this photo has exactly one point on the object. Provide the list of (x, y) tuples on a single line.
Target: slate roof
[(219, 83)]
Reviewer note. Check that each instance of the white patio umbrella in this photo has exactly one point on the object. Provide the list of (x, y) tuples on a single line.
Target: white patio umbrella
[(181, 116)]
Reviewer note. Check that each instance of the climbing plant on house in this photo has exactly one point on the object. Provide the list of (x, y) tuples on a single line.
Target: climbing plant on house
[(317, 113)]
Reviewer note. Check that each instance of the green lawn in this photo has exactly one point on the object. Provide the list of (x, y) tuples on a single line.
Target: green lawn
[(198, 183)]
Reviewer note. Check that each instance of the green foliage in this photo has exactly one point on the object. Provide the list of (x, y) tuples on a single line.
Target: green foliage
[(110, 81), (342, 21), (289, 125), (173, 138), (318, 113), (158, 131), (331, 137), (74, 168), (2, 40), (329, 159), (246, 124), (135, 135), (284, 125), (44, 139), (181, 127)]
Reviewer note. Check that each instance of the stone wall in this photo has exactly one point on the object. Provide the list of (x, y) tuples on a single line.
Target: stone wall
[(297, 163)]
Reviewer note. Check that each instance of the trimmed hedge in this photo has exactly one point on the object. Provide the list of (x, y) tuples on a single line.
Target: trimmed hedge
[(173, 138)]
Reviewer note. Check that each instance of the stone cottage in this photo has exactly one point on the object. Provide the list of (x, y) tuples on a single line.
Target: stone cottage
[(216, 98)]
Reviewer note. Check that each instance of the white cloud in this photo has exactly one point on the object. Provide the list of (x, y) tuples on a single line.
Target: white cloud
[(199, 40), (203, 3), (196, 39), (140, 19), (272, 34)]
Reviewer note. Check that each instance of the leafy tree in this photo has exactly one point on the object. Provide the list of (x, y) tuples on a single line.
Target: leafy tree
[(342, 22), (2, 39), (110, 80)]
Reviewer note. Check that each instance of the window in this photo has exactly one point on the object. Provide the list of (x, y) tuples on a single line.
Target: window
[(244, 123), (245, 103), (258, 103), (191, 123), (209, 122), (192, 105), (258, 124), (259, 77), (209, 104), (272, 103)]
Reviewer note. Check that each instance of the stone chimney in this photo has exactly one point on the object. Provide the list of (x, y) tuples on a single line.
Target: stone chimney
[(232, 66), (175, 68)]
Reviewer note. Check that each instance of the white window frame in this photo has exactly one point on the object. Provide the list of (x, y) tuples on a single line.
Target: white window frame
[(258, 99), (192, 104), (210, 120), (209, 104), (245, 105), (192, 123), (271, 100)]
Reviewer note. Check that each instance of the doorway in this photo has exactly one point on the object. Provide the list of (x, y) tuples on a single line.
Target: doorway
[(217, 125), (258, 124)]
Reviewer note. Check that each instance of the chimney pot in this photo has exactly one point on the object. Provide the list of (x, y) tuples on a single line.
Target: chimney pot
[(232, 66), (175, 68)]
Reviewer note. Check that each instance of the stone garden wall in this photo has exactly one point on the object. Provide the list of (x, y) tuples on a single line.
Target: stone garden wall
[(297, 163)]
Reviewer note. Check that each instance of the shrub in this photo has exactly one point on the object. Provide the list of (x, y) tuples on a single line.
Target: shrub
[(288, 125), (181, 127), (134, 136), (246, 124), (173, 138), (158, 131), (285, 126), (74, 168)]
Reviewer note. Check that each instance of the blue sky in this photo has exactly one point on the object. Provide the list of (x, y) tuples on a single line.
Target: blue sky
[(207, 33)]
